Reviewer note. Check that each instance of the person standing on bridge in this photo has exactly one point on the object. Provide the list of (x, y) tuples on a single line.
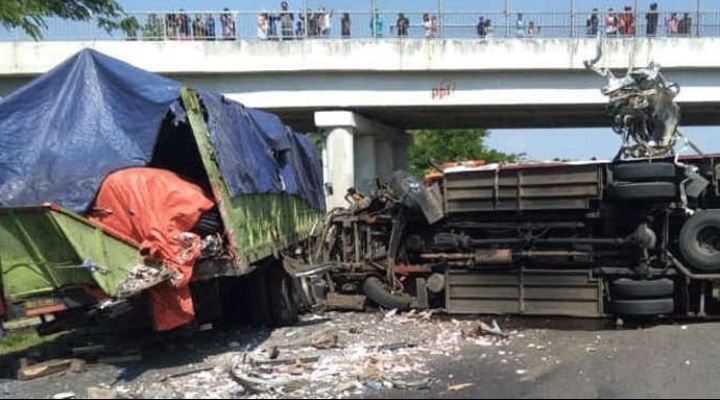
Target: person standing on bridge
[(592, 23), (611, 23), (671, 24), (652, 20), (520, 26), (481, 27), (376, 24), (402, 23), (228, 24), (209, 26), (286, 21), (345, 25), (627, 22), (325, 22), (263, 24), (685, 25)]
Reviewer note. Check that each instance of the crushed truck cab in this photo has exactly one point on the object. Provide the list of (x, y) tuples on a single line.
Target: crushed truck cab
[(148, 202)]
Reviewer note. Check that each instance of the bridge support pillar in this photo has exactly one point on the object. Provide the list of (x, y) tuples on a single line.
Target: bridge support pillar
[(357, 151)]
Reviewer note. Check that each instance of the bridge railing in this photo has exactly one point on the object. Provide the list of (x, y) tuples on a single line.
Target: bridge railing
[(203, 25)]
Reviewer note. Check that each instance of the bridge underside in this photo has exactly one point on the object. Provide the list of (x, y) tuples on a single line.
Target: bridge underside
[(495, 117)]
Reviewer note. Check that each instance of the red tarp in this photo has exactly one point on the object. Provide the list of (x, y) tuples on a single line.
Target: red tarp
[(157, 208)]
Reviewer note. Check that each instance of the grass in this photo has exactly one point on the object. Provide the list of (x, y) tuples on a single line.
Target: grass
[(21, 341)]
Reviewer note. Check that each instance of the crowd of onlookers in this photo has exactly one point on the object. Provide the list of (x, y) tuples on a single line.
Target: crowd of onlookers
[(624, 23), (286, 25)]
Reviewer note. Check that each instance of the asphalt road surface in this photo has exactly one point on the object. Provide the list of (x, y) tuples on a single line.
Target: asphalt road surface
[(537, 359), (669, 361)]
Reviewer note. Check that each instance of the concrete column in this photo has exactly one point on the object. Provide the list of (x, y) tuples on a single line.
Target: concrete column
[(358, 151), (384, 158), (365, 163), (339, 162), (400, 152)]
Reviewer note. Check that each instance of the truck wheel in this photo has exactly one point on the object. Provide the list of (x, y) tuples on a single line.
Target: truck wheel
[(644, 307), (635, 289), (700, 240), (209, 223), (284, 310), (645, 192), (376, 291), (644, 172)]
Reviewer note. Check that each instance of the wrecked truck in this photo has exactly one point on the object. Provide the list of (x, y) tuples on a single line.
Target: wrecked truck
[(636, 236), (128, 199)]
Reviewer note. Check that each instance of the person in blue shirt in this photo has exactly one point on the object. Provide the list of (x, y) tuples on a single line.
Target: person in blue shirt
[(520, 26), (376, 24), (209, 26)]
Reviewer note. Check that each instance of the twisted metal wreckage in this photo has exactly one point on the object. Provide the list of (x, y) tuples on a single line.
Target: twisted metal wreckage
[(643, 109), (636, 236)]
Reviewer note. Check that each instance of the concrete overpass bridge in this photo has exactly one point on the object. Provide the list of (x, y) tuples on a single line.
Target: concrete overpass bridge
[(365, 93), (507, 83)]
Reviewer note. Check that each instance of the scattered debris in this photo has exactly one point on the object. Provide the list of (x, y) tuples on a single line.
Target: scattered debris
[(301, 360), (101, 393), (325, 341), (188, 372), (142, 277), (483, 329), (46, 368), (394, 346), (337, 356), (258, 384), (460, 386), (64, 395), (411, 385)]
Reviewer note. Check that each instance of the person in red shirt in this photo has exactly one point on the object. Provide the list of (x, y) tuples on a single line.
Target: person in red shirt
[(627, 22)]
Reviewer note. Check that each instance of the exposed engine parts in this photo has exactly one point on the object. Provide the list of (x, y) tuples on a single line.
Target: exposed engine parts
[(642, 109)]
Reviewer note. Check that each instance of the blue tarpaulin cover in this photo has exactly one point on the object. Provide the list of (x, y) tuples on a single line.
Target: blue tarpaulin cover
[(62, 133)]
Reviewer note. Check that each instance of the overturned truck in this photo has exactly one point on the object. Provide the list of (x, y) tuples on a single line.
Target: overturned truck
[(130, 200), (636, 236)]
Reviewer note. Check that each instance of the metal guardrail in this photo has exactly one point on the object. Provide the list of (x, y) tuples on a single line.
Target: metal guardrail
[(244, 25)]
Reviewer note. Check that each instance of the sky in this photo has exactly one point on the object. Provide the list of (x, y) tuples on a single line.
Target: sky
[(537, 143)]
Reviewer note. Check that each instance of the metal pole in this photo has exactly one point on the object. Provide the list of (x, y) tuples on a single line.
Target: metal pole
[(373, 23), (305, 19), (697, 20), (507, 18), (441, 19), (636, 19), (572, 18)]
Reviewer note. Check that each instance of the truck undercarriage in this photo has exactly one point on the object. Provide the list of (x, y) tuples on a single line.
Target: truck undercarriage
[(635, 236), (586, 239)]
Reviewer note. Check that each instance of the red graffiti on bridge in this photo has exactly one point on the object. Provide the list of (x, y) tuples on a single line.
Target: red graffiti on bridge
[(445, 89)]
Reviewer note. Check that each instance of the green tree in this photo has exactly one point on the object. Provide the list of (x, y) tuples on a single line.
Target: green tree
[(30, 15), (154, 28), (445, 145)]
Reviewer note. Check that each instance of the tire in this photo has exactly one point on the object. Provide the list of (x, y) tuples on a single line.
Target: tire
[(632, 289), (209, 223), (284, 309), (700, 240), (644, 172), (644, 307), (376, 291), (645, 192)]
